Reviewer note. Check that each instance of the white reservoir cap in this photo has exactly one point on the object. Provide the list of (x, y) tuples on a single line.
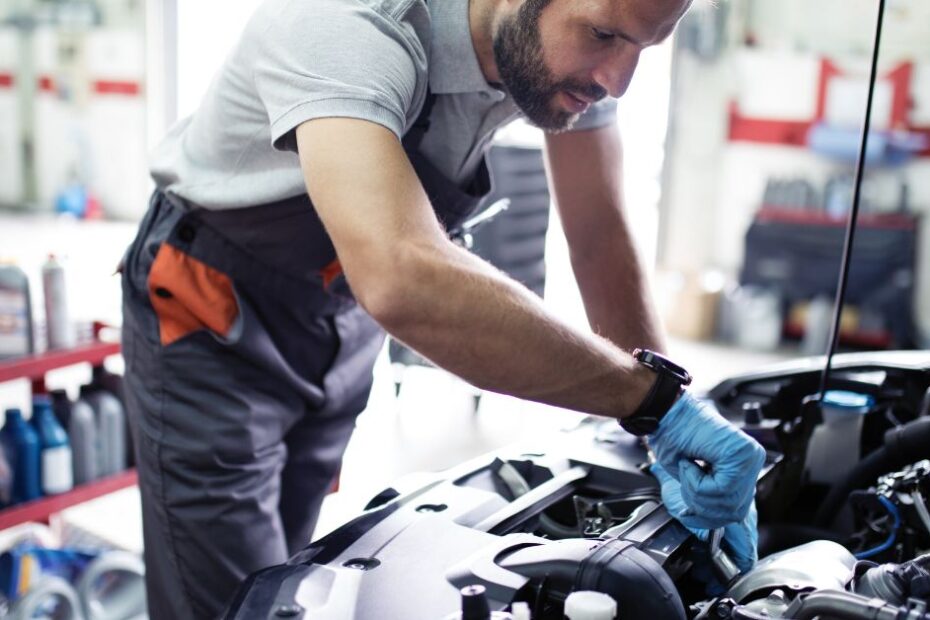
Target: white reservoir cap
[(587, 605), (520, 611)]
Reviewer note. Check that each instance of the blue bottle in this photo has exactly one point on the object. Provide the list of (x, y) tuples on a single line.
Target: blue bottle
[(21, 443), (6, 478), (56, 468)]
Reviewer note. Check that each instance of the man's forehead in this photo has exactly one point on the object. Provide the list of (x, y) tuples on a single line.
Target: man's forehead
[(645, 21)]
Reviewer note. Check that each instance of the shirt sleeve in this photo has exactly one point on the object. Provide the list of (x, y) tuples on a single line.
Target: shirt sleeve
[(333, 58), (601, 114)]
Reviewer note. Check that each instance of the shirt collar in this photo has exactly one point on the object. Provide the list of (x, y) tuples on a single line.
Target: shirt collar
[(453, 62)]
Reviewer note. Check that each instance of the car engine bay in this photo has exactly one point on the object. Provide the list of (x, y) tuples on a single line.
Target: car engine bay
[(843, 521)]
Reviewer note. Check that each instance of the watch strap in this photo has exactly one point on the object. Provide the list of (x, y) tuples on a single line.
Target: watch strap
[(645, 420)]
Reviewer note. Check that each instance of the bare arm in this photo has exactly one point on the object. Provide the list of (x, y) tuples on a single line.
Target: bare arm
[(585, 171), (444, 302)]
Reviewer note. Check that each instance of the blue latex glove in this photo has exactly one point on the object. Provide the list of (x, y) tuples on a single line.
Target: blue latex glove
[(740, 539), (723, 494)]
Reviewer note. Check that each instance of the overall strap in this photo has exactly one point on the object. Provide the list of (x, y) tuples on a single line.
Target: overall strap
[(414, 135)]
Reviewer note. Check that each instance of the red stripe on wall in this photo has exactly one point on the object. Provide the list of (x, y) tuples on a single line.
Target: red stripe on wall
[(112, 87), (46, 84), (745, 129), (900, 79), (7, 80)]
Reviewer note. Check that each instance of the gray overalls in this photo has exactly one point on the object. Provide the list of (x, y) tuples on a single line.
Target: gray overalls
[(247, 362)]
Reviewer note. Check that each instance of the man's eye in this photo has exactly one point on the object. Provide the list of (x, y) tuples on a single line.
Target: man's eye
[(601, 35)]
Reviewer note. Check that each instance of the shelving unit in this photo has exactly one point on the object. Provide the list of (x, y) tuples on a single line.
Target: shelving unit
[(34, 368), (41, 510), (795, 251)]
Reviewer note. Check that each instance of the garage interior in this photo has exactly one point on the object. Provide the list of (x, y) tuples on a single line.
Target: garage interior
[(741, 136)]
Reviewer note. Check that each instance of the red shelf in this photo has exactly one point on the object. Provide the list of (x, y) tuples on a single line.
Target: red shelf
[(859, 339), (890, 221), (41, 509), (35, 366)]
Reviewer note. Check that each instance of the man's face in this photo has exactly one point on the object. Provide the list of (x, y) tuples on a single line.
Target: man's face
[(556, 57)]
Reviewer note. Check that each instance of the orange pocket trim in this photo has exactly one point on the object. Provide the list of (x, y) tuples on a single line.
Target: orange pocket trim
[(188, 295), (330, 272)]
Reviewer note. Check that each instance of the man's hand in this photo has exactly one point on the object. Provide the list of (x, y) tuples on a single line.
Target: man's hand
[(740, 538), (691, 431)]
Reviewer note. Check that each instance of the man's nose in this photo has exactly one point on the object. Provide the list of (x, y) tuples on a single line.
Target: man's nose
[(615, 72)]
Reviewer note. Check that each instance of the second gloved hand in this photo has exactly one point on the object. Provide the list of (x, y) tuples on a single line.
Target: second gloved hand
[(740, 539), (723, 493)]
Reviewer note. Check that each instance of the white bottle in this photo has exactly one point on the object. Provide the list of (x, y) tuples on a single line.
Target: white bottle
[(60, 331), (588, 605)]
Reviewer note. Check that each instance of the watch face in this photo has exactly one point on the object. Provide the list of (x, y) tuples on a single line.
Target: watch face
[(659, 363)]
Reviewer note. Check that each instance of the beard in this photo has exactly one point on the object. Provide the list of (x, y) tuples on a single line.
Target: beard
[(519, 57)]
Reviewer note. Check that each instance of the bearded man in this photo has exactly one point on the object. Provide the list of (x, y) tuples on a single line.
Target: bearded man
[(304, 210)]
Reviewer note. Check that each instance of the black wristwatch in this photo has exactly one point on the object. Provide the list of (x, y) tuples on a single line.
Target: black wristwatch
[(671, 380)]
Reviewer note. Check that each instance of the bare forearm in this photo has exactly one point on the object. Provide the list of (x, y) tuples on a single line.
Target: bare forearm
[(586, 169), (470, 319), (445, 303), (615, 290)]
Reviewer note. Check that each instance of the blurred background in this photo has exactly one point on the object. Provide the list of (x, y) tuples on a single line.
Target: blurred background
[(740, 137)]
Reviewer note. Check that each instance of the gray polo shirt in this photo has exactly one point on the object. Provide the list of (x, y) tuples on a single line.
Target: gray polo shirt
[(299, 60)]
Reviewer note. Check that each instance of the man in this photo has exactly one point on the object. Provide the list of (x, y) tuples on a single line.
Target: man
[(305, 207)]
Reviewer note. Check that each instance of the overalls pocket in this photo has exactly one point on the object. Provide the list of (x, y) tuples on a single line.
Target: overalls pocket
[(188, 296)]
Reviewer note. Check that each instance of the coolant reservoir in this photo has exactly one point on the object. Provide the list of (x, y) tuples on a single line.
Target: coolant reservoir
[(835, 446), (587, 605)]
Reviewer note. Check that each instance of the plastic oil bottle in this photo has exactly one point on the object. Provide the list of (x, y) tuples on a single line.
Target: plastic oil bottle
[(57, 469), (82, 428), (111, 430), (6, 478), (113, 383), (21, 443), (16, 328)]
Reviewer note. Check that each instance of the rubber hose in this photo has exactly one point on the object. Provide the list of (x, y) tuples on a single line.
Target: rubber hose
[(553, 528), (641, 587), (845, 606), (903, 445)]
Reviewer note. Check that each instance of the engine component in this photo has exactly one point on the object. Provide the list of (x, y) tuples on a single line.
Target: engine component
[(534, 522), (726, 569), (832, 604), (896, 510), (833, 447), (475, 606), (587, 605), (817, 565), (848, 606), (895, 583), (903, 445), (639, 585)]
